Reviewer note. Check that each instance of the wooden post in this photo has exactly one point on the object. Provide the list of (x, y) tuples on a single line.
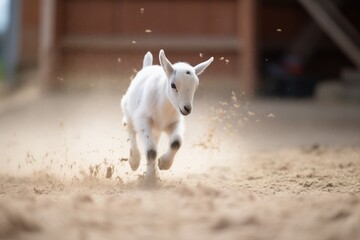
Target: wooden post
[(47, 61), (247, 63)]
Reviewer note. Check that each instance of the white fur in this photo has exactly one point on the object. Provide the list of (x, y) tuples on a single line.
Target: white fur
[(151, 106)]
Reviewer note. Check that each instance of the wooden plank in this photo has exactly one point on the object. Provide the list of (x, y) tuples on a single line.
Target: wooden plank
[(141, 43), (29, 42), (90, 17), (190, 18)]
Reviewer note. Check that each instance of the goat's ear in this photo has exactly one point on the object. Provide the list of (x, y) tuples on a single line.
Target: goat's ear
[(166, 64), (202, 66)]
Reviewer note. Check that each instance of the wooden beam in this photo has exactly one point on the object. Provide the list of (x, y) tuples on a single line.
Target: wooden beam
[(247, 62), (47, 54), (333, 29)]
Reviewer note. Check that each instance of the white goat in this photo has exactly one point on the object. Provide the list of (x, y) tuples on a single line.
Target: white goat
[(154, 102)]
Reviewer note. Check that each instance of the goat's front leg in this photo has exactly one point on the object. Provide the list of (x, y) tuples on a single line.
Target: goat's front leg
[(149, 139), (175, 132)]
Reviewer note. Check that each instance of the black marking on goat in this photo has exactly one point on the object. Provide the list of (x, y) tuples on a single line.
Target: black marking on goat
[(175, 145), (151, 154)]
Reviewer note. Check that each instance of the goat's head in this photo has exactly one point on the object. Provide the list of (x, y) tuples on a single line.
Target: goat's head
[(182, 82)]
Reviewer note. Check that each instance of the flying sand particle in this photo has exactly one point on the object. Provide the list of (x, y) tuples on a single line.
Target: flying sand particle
[(251, 114), (38, 191), (233, 97), (148, 31), (142, 10), (109, 172)]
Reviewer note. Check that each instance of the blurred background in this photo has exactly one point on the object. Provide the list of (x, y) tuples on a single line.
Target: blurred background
[(293, 48), (273, 141), (291, 69)]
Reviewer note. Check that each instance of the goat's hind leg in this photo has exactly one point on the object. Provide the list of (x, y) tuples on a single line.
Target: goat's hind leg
[(135, 156)]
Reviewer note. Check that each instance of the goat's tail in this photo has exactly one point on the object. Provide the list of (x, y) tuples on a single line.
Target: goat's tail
[(148, 60)]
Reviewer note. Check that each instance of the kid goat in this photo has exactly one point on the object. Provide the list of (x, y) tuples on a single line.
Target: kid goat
[(156, 101)]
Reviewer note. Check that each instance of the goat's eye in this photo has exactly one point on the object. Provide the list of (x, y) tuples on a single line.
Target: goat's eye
[(188, 72), (173, 86)]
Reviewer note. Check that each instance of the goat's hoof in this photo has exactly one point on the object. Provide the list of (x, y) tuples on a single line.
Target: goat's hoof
[(134, 160), (175, 145), (134, 164), (151, 154), (164, 163)]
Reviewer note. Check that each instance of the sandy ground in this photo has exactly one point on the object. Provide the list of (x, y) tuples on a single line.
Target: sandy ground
[(269, 169)]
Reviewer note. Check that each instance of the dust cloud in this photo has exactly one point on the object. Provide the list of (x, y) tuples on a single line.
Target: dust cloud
[(65, 175)]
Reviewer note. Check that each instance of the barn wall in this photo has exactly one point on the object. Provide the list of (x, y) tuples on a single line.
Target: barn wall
[(96, 36)]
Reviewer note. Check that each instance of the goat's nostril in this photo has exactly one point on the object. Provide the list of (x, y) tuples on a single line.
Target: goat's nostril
[(187, 108)]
